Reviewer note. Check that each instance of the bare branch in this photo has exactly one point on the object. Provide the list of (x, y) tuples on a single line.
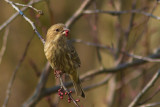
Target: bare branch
[(16, 14), (150, 105), (10, 84), (96, 72), (30, 6), (5, 37), (115, 13), (145, 89), (39, 89), (27, 19), (150, 97), (111, 91), (78, 13), (66, 90), (39, 94), (130, 77), (112, 50), (102, 82)]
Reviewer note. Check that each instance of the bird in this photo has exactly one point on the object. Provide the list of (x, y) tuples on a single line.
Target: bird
[(62, 56)]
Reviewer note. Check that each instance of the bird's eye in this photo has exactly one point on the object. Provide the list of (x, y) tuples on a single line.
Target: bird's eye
[(57, 30)]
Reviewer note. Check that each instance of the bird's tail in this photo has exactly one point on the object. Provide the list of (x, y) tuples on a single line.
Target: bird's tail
[(77, 84)]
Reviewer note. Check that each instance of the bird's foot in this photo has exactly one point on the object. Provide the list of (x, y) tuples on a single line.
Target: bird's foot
[(57, 73)]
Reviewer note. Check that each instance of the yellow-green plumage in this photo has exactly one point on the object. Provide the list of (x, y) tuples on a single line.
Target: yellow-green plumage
[(62, 55)]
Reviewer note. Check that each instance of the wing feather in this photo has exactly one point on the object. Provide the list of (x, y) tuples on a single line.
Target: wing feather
[(73, 54)]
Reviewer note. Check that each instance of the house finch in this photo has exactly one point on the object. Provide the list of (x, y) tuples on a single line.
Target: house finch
[(61, 55)]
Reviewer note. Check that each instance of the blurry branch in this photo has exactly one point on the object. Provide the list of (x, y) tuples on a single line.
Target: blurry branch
[(95, 85), (54, 89), (150, 97), (10, 84), (35, 68), (150, 105), (93, 44), (116, 13), (30, 6), (112, 50), (143, 58), (78, 13), (145, 90), (128, 78), (16, 14), (131, 19), (4, 44), (27, 19), (101, 70), (95, 72), (111, 91), (39, 89)]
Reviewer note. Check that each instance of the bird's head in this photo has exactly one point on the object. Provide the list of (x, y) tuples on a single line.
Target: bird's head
[(58, 30)]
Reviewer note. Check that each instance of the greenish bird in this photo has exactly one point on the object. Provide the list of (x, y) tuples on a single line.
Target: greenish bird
[(62, 56)]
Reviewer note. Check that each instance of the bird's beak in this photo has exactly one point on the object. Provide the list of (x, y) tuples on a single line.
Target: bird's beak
[(66, 31)]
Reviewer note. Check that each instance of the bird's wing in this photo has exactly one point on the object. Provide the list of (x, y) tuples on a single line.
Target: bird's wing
[(73, 54)]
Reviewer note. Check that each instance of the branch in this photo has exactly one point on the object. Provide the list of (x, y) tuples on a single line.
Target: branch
[(27, 19), (29, 6), (101, 70), (78, 13), (5, 37), (150, 105), (150, 97), (10, 84), (115, 13), (112, 50), (102, 82), (38, 95), (66, 92), (40, 87), (145, 89), (16, 14)]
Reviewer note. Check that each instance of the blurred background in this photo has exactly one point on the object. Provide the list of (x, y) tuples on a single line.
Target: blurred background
[(132, 33)]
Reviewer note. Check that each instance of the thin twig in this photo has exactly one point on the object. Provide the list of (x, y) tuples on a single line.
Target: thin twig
[(16, 14), (115, 13), (35, 68), (39, 89), (112, 50), (150, 97), (27, 19), (102, 82), (111, 91), (66, 90), (30, 6), (130, 26), (78, 13), (10, 84), (4, 45), (145, 89), (150, 105), (130, 77)]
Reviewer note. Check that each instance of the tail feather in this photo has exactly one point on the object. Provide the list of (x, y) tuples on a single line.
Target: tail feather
[(77, 84), (78, 89)]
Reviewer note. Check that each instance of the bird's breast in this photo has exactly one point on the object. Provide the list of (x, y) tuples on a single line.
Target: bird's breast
[(56, 54)]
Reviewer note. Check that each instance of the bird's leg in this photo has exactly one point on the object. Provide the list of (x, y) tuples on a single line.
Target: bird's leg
[(57, 73)]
